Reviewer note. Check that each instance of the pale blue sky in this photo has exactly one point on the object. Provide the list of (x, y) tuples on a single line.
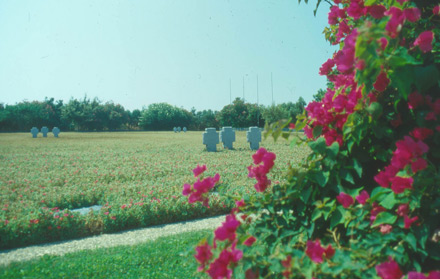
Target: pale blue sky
[(182, 52)]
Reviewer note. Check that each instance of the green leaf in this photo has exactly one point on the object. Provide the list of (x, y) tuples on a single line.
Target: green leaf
[(378, 192), (318, 145), (333, 150), (411, 239), (402, 58), (426, 77), (337, 217), (346, 175), (317, 131), (375, 110), (321, 177), (305, 193), (357, 167), (384, 218), (402, 78), (389, 201)]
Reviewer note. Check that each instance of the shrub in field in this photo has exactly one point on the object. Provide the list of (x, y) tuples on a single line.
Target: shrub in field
[(366, 202)]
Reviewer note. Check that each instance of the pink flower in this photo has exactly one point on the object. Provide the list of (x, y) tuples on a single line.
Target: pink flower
[(403, 209), (227, 229), (329, 252), (240, 203), (436, 10), (199, 170), (382, 82), (344, 58), (389, 270), (316, 252), (377, 11), (219, 268), (249, 241), (356, 9), (412, 14), (415, 100), (203, 255), (363, 197), (385, 229), (326, 67), (333, 15), (383, 43), (383, 178), (416, 275), (434, 275), (396, 21), (186, 189), (113, 217), (375, 211), (424, 41), (399, 184), (409, 221), (421, 133), (345, 200), (418, 165)]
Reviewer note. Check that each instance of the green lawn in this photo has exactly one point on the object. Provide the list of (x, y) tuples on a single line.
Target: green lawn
[(166, 257)]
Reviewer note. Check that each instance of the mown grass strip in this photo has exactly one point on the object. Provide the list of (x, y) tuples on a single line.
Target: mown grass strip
[(166, 257)]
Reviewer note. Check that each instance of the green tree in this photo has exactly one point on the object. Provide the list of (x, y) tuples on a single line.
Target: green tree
[(163, 117)]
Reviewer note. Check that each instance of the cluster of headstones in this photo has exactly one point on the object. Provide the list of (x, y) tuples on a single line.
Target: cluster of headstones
[(44, 131), (227, 137), (178, 129)]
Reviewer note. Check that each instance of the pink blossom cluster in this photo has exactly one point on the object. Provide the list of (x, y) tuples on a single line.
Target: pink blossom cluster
[(391, 270), (317, 253), (199, 191), (221, 267), (260, 171), (346, 200), (331, 113), (409, 153)]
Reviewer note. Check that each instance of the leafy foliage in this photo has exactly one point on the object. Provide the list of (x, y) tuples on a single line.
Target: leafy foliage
[(366, 202)]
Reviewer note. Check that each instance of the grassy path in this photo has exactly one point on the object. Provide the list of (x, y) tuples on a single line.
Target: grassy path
[(131, 238)]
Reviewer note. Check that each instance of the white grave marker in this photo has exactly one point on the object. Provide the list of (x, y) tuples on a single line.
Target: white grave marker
[(253, 136), (227, 137), (210, 139)]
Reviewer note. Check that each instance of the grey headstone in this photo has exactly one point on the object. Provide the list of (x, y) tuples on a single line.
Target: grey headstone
[(210, 139), (55, 131), (44, 130), (184, 129), (179, 129), (175, 130), (227, 137), (34, 132), (253, 136)]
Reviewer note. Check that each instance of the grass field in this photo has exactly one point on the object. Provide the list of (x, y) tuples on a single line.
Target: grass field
[(166, 257), (136, 176)]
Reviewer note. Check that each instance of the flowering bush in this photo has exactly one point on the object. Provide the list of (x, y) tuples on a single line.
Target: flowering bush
[(370, 188)]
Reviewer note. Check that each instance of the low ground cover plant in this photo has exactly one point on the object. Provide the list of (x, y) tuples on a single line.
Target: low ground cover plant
[(135, 176), (366, 201)]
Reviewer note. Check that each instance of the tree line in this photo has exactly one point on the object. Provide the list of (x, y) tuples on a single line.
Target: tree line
[(93, 115)]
